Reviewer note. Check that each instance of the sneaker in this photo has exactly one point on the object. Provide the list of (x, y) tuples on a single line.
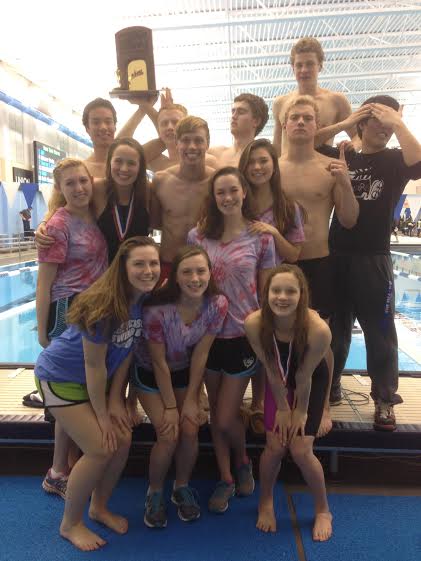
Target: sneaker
[(155, 512), (56, 485), (245, 480), (186, 498), (335, 397), (218, 501), (384, 416)]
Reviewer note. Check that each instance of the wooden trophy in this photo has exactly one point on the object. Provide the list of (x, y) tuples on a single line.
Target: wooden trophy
[(136, 69)]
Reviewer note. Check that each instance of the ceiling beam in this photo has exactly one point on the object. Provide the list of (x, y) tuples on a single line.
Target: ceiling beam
[(349, 75), (286, 54), (377, 38), (279, 16)]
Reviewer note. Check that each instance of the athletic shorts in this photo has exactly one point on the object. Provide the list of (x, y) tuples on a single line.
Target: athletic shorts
[(319, 275), (144, 380), (63, 394), (319, 384), (57, 316), (234, 357)]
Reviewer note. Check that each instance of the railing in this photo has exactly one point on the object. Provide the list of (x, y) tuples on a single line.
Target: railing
[(407, 263), (17, 243)]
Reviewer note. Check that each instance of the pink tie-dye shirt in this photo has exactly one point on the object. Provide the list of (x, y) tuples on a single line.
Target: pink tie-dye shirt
[(293, 235), (80, 251), (235, 268), (163, 324)]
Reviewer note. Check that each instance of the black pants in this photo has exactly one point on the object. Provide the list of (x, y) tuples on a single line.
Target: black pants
[(365, 289)]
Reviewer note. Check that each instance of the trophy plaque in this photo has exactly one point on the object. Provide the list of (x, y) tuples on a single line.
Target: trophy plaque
[(136, 69)]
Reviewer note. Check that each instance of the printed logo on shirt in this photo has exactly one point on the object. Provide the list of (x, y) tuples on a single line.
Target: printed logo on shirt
[(363, 187), (126, 334)]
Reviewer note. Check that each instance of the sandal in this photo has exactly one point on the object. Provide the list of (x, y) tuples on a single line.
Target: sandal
[(33, 399)]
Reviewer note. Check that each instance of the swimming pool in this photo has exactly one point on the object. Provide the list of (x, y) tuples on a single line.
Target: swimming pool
[(18, 325)]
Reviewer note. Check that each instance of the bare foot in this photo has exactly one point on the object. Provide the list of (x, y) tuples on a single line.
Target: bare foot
[(322, 529), (81, 537), (113, 521), (325, 423), (266, 520)]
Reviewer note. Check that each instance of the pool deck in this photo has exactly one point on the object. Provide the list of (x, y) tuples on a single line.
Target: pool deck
[(352, 427)]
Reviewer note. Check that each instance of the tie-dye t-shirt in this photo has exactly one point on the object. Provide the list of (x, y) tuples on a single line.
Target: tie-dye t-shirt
[(163, 324), (293, 235), (235, 268), (80, 251)]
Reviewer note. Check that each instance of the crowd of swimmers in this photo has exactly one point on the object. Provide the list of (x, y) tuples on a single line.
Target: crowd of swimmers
[(253, 281)]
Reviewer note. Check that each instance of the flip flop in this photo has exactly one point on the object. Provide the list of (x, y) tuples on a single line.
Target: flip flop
[(33, 399)]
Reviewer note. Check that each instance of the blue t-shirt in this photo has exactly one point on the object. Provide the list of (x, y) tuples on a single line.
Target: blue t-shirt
[(63, 360)]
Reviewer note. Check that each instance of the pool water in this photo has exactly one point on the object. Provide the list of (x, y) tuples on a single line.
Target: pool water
[(18, 333), (18, 325)]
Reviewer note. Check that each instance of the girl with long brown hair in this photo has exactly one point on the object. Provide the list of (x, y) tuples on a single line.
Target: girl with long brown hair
[(74, 372), (119, 201), (278, 215), (180, 323), (241, 262), (291, 341)]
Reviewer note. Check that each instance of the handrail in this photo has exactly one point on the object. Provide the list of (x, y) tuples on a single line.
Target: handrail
[(21, 242)]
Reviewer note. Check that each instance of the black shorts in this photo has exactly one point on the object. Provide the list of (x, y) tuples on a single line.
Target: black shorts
[(232, 356), (319, 275), (144, 380)]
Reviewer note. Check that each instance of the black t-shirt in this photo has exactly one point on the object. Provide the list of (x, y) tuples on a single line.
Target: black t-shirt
[(378, 181)]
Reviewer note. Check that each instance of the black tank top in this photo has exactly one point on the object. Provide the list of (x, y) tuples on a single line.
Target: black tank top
[(139, 226)]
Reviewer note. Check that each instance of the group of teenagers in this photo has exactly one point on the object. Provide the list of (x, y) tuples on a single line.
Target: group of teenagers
[(220, 301)]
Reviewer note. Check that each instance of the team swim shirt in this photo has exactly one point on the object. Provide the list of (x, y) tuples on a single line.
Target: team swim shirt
[(294, 235), (235, 267), (63, 359), (378, 180), (163, 324), (80, 251)]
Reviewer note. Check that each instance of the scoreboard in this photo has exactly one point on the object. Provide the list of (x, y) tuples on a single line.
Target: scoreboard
[(45, 159)]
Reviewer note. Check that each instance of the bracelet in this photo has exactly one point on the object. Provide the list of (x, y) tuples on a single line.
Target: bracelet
[(168, 408)]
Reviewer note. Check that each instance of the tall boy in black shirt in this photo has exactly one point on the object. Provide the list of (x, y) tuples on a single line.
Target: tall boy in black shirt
[(362, 262)]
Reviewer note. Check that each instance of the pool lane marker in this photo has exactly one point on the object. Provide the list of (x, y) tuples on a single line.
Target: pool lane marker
[(16, 372)]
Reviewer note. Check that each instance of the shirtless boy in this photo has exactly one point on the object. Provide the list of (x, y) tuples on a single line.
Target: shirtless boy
[(319, 184), (100, 119), (307, 61), (178, 192), (249, 115), (168, 117)]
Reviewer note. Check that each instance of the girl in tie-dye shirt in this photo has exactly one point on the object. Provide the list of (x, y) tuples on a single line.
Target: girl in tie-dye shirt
[(241, 261), (180, 324), (77, 258)]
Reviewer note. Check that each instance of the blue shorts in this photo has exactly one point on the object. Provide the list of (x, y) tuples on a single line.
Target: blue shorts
[(234, 357), (144, 380)]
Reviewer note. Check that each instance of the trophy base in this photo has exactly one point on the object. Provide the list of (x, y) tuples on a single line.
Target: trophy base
[(132, 94)]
